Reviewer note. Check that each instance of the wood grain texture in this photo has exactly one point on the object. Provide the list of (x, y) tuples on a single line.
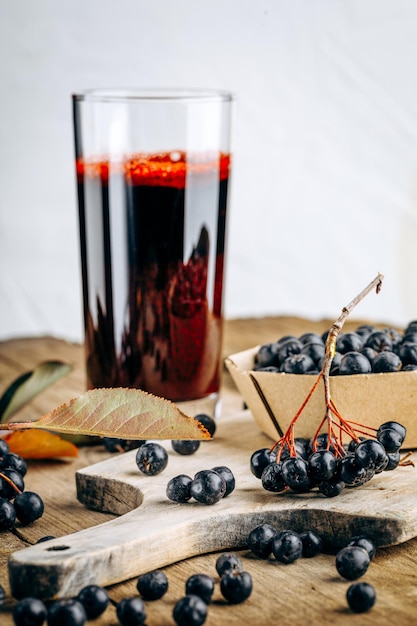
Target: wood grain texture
[(153, 532), (306, 592)]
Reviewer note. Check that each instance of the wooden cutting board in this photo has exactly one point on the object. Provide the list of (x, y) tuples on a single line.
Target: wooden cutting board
[(151, 531)]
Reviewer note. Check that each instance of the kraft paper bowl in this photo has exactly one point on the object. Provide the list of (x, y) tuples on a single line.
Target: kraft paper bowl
[(371, 399)]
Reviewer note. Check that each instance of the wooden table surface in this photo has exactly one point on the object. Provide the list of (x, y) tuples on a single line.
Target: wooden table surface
[(306, 592)]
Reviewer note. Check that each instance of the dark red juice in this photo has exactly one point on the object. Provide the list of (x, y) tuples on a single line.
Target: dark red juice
[(152, 248)]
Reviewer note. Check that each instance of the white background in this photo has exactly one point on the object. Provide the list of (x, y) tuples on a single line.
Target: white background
[(324, 190)]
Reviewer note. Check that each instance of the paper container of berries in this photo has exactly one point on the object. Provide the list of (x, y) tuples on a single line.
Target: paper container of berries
[(274, 395)]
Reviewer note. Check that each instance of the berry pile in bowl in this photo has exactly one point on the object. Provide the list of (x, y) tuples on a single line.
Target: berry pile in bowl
[(373, 379)]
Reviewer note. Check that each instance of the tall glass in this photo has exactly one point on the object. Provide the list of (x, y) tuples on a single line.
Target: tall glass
[(153, 171)]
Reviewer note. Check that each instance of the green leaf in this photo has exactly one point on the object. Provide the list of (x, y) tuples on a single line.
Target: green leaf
[(118, 412), (29, 385)]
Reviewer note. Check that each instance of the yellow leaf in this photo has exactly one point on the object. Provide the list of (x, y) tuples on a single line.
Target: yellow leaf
[(39, 444)]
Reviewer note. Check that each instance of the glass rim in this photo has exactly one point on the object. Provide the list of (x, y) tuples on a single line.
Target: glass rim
[(160, 94)]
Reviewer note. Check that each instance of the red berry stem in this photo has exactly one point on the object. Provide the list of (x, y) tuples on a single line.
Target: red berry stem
[(406, 461), (290, 429), (364, 431), (362, 425)]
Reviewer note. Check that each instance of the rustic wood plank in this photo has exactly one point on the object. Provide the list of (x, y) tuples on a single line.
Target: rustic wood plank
[(308, 591), (153, 532)]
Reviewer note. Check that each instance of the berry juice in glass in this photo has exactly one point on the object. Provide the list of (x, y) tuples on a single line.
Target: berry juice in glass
[(153, 172)]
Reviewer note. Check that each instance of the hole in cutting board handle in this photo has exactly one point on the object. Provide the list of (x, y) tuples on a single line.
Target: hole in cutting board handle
[(56, 548)]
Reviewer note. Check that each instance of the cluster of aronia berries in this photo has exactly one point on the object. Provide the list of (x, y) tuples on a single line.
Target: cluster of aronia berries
[(326, 465), (365, 350), (92, 601), (208, 486), (89, 604), (235, 587), (15, 502), (287, 546)]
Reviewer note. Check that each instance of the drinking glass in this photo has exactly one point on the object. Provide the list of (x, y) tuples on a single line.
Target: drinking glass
[(153, 170)]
